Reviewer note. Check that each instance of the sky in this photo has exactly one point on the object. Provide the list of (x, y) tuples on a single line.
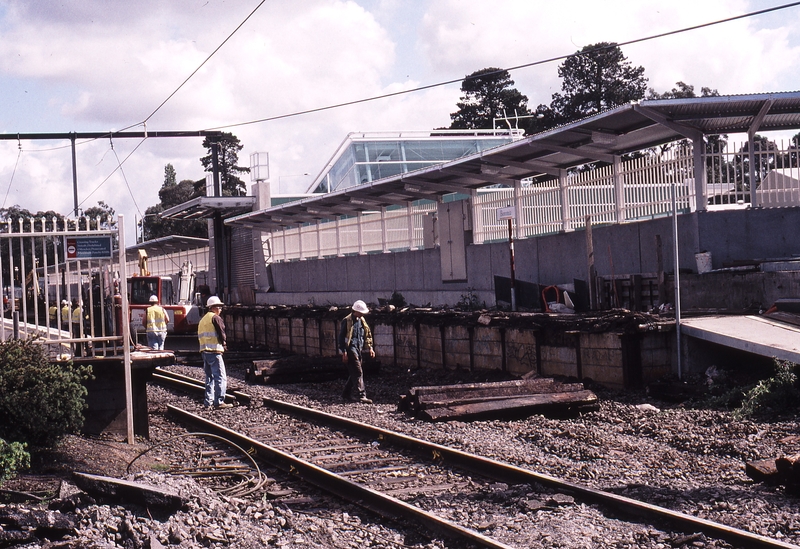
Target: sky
[(103, 65)]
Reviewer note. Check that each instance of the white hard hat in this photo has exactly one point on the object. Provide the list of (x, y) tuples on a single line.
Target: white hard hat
[(64, 302), (214, 301), (360, 307), (153, 299)]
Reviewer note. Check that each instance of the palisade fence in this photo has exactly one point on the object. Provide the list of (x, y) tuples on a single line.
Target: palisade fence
[(641, 189), (59, 283)]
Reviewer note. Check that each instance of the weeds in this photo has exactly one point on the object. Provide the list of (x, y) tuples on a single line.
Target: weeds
[(470, 301), (776, 395)]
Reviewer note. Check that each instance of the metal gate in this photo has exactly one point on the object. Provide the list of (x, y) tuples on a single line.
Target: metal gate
[(59, 280)]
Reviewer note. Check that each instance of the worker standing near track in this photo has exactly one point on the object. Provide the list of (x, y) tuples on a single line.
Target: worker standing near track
[(213, 342), (354, 336), (65, 315), (53, 313), (156, 324)]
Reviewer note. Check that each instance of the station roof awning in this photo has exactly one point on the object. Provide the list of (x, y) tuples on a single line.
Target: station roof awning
[(204, 207), (599, 138), (166, 245)]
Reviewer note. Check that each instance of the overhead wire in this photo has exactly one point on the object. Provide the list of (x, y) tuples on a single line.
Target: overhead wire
[(508, 69), (144, 122), (206, 60)]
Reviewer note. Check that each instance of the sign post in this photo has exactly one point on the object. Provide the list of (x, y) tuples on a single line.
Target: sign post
[(509, 213)]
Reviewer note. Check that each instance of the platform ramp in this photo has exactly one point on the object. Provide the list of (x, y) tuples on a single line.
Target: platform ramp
[(753, 334)]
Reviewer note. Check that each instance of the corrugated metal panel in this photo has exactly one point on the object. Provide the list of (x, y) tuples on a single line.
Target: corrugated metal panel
[(243, 280)]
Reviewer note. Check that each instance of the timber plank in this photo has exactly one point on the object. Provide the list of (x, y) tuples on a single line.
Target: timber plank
[(549, 402)]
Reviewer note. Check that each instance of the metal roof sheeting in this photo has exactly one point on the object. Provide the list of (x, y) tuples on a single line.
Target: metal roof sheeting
[(601, 137)]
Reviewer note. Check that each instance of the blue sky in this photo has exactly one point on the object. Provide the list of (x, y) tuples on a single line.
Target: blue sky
[(99, 65)]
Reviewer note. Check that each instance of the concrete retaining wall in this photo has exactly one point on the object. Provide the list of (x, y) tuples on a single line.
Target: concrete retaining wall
[(516, 346), (628, 248)]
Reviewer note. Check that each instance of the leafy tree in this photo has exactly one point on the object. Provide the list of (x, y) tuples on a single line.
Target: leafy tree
[(105, 213), (680, 91), (228, 156), (488, 94), (171, 194), (596, 78)]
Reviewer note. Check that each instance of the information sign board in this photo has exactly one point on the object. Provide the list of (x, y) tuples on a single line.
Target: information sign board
[(88, 247)]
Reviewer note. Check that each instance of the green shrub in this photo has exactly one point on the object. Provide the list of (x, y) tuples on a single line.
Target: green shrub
[(40, 401), (776, 395), (13, 458)]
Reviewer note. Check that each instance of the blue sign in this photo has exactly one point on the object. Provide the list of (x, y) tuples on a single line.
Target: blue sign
[(88, 247)]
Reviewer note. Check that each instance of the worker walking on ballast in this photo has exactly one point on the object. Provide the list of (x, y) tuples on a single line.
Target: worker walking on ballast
[(354, 336)]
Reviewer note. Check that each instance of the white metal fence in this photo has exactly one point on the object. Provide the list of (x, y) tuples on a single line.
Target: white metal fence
[(632, 189), (55, 287)]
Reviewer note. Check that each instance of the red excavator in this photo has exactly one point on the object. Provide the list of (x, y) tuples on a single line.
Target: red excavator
[(183, 311)]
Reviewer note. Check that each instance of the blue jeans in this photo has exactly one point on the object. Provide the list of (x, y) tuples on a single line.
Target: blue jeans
[(155, 340), (216, 379)]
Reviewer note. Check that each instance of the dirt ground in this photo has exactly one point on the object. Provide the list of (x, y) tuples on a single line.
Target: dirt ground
[(76, 453)]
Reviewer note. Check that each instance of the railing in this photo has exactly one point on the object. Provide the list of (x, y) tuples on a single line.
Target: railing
[(53, 291), (633, 189)]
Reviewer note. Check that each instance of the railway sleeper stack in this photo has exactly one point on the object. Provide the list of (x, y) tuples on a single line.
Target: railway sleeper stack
[(498, 400), (302, 369), (783, 470)]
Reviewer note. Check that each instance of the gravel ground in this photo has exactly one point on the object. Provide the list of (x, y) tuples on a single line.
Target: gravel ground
[(687, 459)]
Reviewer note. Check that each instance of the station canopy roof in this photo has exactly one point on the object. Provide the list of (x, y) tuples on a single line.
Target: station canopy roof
[(165, 245), (601, 137), (205, 207)]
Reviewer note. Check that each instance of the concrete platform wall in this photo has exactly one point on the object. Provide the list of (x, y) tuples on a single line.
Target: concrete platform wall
[(627, 248)]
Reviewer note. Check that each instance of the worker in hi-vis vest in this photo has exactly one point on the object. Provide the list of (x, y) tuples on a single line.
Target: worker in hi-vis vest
[(213, 342), (53, 314), (65, 314), (76, 322), (156, 324)]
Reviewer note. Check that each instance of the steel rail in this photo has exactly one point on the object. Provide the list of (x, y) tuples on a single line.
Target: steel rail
[(516, 475), (192, 385), (509, 473), (340, 486)]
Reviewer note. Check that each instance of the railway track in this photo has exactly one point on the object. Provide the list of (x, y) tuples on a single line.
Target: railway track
[(400, 476)]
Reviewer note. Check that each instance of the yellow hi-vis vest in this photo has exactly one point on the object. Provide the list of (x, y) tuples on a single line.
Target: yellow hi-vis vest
[(76, 315), (65, 314), (53, 312), (207, 335), (156, 319)]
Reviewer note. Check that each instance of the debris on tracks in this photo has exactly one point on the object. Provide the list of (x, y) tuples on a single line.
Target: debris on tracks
[(784, 471), (498, 400), (129, 492), (302, 369)]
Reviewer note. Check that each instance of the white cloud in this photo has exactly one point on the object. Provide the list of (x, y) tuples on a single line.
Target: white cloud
[(98, 65)]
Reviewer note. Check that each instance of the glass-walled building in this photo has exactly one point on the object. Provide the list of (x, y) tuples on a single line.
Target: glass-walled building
[(366, 157)]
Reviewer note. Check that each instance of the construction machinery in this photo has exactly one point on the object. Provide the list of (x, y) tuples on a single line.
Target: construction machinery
[(183, 310)]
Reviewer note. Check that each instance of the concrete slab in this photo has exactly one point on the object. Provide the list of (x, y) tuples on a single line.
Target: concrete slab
[(749, 333)]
